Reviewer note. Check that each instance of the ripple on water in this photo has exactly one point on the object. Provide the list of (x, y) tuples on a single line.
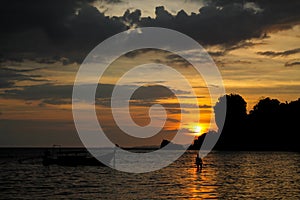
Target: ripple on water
[(226, 175)]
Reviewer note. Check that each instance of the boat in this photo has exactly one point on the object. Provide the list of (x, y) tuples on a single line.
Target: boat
[(72, 158)]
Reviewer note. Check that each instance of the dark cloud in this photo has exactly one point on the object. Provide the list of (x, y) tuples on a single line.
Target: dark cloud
[(205, 106), (62, 94), (112, 1), (171, 108), (132, 17), (70, 29), (148, 103), (229, 22), (152, 92), (10, 76), (57, 29), (56, 101), (214, 86), (163, 16), (177, 111), (279, 53), (224, 62), (217, 53), (135, 53), (46, 61), (152, 82), (173, 120), (5, 83), (243, 44), (191, 97), (241, 62), (170, 58), (40, 92), (231, 47), (174, 59), (21, 70), (269, 90), (292, 63)]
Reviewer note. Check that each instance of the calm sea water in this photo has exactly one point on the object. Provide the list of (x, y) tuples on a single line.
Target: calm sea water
[(226, 175)]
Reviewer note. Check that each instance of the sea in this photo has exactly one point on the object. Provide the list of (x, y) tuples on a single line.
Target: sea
[(225, 175)]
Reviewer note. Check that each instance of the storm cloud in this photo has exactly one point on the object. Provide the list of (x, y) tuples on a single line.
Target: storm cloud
[(70, 29)]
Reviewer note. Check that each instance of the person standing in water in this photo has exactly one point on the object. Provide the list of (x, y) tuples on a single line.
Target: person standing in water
[(199, 163)]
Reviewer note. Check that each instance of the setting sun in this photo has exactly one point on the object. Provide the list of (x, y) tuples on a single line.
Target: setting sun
[(197, 130)]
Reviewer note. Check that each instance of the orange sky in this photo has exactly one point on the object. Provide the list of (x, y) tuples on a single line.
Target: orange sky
[(246, 70)]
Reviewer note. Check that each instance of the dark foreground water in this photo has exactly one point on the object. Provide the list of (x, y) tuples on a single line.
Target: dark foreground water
[(226, 175)]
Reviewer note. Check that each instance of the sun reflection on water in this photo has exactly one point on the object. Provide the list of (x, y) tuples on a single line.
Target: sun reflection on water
[(203, 184)]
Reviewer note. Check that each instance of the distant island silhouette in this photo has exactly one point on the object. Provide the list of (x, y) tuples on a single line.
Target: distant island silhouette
[(270, 125), (164, 142)]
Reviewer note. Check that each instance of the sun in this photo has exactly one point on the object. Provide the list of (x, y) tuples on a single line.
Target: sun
[(197, 130)]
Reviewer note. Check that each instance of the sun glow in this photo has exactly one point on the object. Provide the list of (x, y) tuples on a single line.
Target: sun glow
[(197, 130)]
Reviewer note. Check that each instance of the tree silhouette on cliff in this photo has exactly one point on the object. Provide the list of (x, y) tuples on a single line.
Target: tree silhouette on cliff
[(270, 125), (235, 121)]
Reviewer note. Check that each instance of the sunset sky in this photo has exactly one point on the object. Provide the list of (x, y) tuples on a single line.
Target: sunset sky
[(255, 45)]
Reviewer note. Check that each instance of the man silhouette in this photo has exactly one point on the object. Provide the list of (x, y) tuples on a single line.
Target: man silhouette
[(199, 162)]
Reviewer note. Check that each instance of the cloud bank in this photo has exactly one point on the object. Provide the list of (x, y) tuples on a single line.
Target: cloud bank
[(53, 30)]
